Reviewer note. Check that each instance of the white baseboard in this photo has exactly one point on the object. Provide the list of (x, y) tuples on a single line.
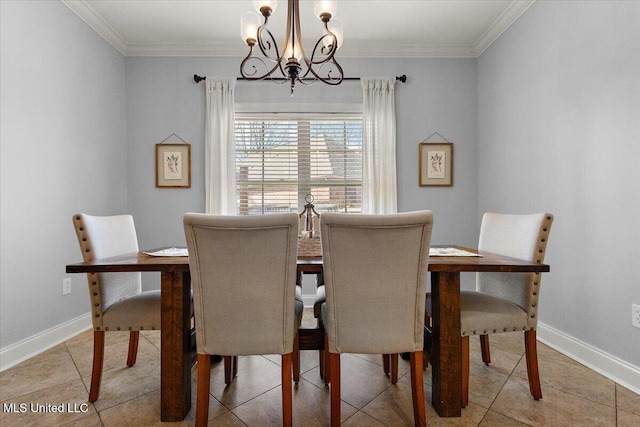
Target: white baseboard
[(29, 347), (603, 363)]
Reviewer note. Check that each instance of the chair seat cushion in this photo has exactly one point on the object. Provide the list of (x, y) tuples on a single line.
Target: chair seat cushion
[(484, 314), (139, 312)]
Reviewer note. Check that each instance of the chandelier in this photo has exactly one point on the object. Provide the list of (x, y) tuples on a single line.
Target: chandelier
[(291, 64)]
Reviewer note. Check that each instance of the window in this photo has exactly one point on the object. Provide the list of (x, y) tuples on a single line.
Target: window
[(280, 158)]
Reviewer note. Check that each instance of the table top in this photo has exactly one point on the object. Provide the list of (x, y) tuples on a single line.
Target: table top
[(487, 261), (443, 264)]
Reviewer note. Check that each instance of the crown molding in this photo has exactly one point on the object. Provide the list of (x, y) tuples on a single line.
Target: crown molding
[(354, 49), (500, 25), (99, 25)]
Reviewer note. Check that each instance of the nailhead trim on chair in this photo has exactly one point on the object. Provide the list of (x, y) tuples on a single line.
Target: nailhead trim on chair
[(535, 278), (94, 279), (541, 250)]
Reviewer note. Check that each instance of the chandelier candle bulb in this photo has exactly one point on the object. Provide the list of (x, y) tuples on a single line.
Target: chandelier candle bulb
[(271, 5), (325, 9), (249, 23)]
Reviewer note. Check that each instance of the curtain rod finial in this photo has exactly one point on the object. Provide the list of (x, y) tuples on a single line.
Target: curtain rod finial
[(198, 79), (402, 78)]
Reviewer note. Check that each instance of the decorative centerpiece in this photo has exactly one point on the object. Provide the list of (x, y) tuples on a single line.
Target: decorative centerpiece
[(309, 235)]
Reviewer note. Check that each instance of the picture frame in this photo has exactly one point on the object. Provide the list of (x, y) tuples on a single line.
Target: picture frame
[(173, 165), (435, 164)]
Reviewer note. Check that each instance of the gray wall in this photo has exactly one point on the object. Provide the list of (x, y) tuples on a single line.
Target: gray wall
[(63, 150), (559, 131), (439, 96)]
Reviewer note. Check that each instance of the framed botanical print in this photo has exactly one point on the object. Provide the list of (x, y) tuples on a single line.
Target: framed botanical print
[(173, 165), (436, 164)]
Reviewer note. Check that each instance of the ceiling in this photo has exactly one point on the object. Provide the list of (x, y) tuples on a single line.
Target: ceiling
[(373, 28)]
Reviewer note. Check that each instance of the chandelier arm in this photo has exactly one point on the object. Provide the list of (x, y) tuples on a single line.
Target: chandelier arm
[(244, 62), (265, 45), (332, 51), (251, 74), (334, 81)]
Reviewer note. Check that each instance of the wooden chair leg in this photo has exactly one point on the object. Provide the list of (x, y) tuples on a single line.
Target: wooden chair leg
[(334, 362), (327, 365), (98, 359), (394, 368), (234, 361), (531, 354), (202, 393), (287, 394), (465, 371), (228, 369), (296, 359), (417, 389), (134, 338), (484, 348), (386, 363)]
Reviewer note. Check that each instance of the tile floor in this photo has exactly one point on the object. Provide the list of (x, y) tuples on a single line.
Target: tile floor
[(499, 395)]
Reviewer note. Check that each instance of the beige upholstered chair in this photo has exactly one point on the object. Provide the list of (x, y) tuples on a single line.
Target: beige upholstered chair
[(505, 302), (117, 300), (243, 274), (231, 362), (375, 273)]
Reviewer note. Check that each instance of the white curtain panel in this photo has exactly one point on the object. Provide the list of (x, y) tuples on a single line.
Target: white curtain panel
[(219, 146), (379, 189)]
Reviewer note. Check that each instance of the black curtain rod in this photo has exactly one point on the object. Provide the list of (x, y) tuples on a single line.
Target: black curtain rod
[(198, 79)]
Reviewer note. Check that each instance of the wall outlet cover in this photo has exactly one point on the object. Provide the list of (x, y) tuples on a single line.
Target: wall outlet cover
[(66, 286)]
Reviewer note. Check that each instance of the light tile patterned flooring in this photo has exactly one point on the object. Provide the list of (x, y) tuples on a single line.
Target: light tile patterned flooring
[(573, 395)]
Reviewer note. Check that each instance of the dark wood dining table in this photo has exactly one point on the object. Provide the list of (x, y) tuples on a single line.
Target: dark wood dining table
[(177, 350)]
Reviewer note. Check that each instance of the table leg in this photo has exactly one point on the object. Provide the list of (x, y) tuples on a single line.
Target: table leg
[(175, 353), (446, 353)]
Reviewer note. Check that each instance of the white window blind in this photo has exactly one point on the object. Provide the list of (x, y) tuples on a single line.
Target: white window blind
[(280, 158)]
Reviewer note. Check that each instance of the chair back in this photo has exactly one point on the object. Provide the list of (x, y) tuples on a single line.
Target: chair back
[(518, 236), (375, 273), (103, 237), (243, 275)]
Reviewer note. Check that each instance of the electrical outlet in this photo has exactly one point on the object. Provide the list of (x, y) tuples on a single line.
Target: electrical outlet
[(66, 286), (635, 315)]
